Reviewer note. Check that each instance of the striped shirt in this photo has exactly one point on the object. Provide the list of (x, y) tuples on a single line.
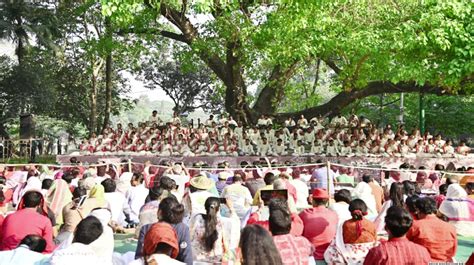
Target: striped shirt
[(294, 250), (397, 251)]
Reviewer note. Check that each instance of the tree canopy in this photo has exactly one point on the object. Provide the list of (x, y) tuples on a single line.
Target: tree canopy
[(372, 47)]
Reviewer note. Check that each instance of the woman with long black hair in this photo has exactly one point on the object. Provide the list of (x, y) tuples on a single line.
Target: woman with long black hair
[(212, 236), (257, 247), (396, 199)]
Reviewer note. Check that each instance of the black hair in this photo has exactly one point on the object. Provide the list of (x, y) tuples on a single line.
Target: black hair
[(167, 183), (210, 236), (439, 167), (79, 192), (367, 178), (396, 194), (269, 178), (32, 199), (342, 195), (257, 247), (358, 209), (155, 193), (172, 211), (3, 180), (410, 203), (409, 188), (137, 177), (280, 217), (109, 185), (34, 242), (426, 205), (469, 187), (68, 177), (46, 184), (88, 230), (398, 221), (443, 189), (237, 177)]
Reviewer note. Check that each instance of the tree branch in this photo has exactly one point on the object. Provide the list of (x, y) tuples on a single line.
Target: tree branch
[(333, 66)]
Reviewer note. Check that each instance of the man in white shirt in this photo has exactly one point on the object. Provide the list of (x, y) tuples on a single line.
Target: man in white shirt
[(28, 252), (302, 190), (346, 150), (116, 202), (136, 197), (331, 149), (240, 197), (264, 148), (280, 148), (208, 122), (154, 118), (338, 121), (247, 148)]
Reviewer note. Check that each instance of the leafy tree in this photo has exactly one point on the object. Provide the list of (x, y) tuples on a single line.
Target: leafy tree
[(387, 47), (188, 90)]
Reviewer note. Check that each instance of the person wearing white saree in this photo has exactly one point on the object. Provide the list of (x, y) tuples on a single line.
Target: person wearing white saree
[(396, 199), (459, 209), (363, 191)]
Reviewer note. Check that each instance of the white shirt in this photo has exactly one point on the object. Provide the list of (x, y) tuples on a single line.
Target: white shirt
[(76, 253), (136, 197), (302, 193), (342, 211), (159, 259), (21, 255), (117, 204)]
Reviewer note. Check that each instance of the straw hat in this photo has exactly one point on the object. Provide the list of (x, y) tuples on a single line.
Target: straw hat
[(201, 182)]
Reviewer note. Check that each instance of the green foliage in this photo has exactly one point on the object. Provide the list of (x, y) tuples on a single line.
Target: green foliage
[(447, 115)]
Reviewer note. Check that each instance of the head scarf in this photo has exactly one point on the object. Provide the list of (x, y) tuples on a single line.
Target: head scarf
[(104, 245), (123, 185), (16, 182), (33, 183), (160, 233), (363, 191), (98, 193), (58, 196), (457, 206)]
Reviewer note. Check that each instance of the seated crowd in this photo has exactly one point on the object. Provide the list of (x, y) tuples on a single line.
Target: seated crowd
[(226, 137), (69, 215)]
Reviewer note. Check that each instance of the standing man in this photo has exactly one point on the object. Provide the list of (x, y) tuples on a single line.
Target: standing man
[(319, 178), (377, 191)]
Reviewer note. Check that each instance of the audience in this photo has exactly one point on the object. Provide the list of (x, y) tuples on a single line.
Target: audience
[(225, 137), (205, 215)]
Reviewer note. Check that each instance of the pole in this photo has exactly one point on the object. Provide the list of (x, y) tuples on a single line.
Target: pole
[(422, 114), (328, 165), (130, 165)]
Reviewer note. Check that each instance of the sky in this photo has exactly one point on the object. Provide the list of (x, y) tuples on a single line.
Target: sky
[(137, 87)]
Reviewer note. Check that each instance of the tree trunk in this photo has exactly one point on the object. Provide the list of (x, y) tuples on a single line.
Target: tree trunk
[(93, 99), (108, 90), (3, 131), (108, 77)]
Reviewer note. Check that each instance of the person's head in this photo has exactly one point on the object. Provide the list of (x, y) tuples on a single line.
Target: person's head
[(109, 185), (396, 194), (237, 178), (470, 188), (410, 204), (409, 188), (397, 221), (167, 183), (320, 197), (68, 177), (212, 206), (32, 199), (257, 247), (170, 210), (161, 239), (269, 178), (136, 180), (367, 178), (358, 209), (425, 206), (280, 218), (79, 192), (443, 188), (155, 193), (46, 184), (88, 230), (342, 196), (34, 242)]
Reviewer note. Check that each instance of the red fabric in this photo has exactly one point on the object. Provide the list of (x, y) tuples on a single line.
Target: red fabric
[(25, 222), (397, 251), (437, 236), (294, 250), (296, 223), (319, 228)]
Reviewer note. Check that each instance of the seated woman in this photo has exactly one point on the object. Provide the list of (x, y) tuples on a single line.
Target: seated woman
[(354, 238), (459, 210)]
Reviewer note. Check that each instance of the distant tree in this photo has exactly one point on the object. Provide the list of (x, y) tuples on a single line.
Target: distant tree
[(189, 90)]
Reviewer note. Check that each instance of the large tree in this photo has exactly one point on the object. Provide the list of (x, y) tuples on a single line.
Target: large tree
[(371, 47)]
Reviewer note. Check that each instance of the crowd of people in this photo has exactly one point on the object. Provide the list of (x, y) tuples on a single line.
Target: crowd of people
[(226, 137), (271, 216)]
